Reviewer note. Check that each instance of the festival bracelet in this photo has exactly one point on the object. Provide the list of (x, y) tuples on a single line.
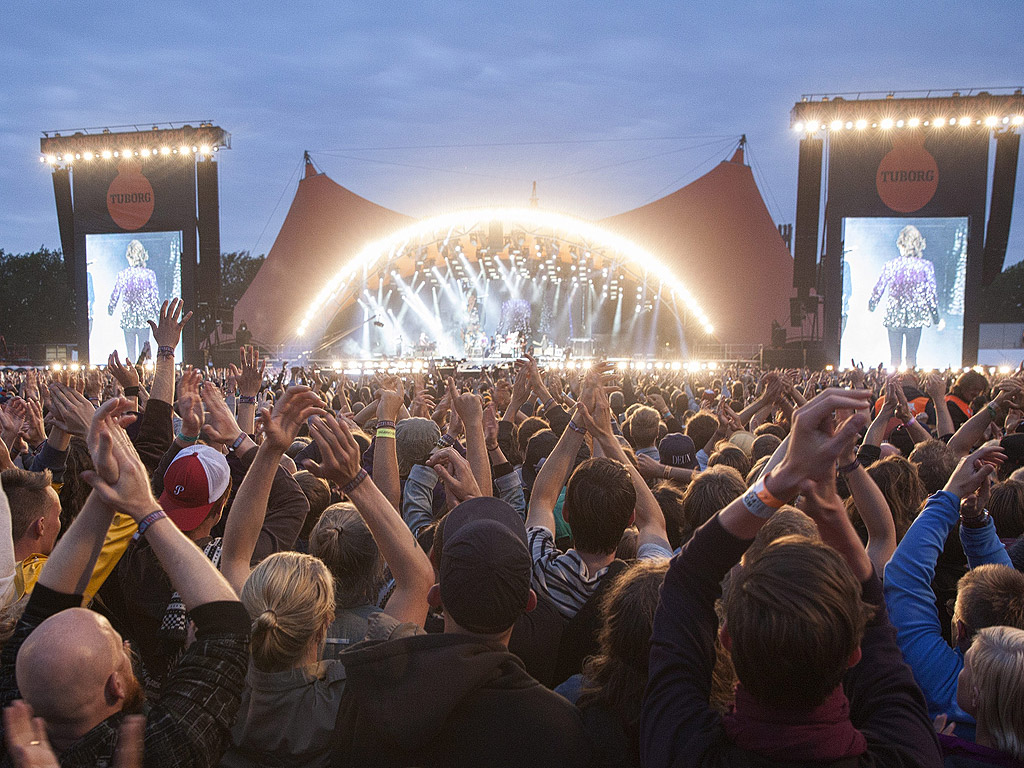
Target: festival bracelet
[(385, 423), (354, 482), (238, 441), (164, 351), (247, 399), (186, 438), (576, 428), (848, 468), (385, 433), (147, 521)]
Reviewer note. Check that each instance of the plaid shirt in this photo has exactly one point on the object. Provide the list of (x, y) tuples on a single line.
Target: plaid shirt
[(190, 726)]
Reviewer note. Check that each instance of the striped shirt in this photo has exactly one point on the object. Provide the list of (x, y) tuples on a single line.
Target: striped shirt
[(562, 577)]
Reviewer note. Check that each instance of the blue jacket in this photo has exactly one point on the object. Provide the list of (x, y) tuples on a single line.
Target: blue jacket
[(911, 601)]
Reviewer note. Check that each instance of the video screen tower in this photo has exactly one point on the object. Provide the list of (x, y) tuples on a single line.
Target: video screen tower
[(906, 252), (139, 224)]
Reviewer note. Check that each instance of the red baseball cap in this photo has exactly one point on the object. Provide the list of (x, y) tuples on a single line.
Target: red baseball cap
[(194, 481)]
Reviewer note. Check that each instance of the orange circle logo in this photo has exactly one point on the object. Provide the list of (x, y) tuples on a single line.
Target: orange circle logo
[(908, 176), (130, 198)]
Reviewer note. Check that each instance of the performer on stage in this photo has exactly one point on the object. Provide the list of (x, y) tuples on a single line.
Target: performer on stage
[(912, 304), (136, 289)]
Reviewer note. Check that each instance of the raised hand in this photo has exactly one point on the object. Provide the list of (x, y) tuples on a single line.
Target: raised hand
[(391, 399), (119, 477), (167, 331), (816, 441), (467, 405), (456, 474), (250, 374), (281, 424), (521, 386), (422, 405), (972, 471), (27, 742), (491, 427), (220, 426), (935, 386), (126, 375), (72, 412), (339, 452)]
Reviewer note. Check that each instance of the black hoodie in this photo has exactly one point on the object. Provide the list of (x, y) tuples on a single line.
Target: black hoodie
[(451, 700)]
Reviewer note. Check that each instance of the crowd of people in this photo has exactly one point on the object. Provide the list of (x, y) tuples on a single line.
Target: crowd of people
[(739, 567)]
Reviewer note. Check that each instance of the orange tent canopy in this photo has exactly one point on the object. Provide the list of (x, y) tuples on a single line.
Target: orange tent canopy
[(716, 235)]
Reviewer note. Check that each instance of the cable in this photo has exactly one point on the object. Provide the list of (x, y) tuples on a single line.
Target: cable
[(777, 213), (419, 167), (633, 160), (687, 172), (516, 143), (276, 206)]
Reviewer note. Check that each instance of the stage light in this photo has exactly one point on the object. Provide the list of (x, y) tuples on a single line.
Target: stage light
[(991, 121), (145, 153), (712, 365), (812, 126), (964, 122), (1006, 120), (709, 329), (849, 124), (676, 366), (622, 365), (204, 150), (1004, 369), (861, 124), (106, 154), (830, 367), (836, 125), (899, 123), (941, 121), (88, 155), (126, 153), (798, 127), (886, 124), (51, 159), (914, 122), (74, 366), (67, 158), (165, 150), (1017, 120)]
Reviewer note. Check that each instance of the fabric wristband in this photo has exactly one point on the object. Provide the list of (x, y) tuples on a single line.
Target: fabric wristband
[(549, 403), (445, 441), (131, 391), (354, 482), (238, 441), (186, 439), (576, 428), (164, 351), (247, 399), (385, 432), (992, 412), (386, 423), (847, 469), (147, 521)]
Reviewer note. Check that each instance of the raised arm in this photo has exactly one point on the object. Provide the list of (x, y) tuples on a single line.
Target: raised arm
[(935, 384), (167, 334), (249, 380), (470, 412), (385, 451), (552, 477), (973, 430), (596, 413), (872, 507), (405, 558), (242, 530)]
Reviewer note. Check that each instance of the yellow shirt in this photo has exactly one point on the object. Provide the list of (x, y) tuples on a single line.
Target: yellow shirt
[(118, 536)]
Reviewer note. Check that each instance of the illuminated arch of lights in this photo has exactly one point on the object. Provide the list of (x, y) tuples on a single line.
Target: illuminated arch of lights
[(632, 259)]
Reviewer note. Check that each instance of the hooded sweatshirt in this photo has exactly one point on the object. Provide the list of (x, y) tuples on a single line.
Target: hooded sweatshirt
[(452, 700)]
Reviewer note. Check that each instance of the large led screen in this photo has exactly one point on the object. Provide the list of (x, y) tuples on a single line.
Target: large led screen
[(129, 276), (903, 291)]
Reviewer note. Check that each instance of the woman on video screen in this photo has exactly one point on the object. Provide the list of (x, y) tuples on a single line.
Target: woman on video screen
[(912, 303), (136, 288)]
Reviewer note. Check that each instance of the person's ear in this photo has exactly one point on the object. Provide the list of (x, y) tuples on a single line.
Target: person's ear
[(855, 657), (531, 601), (632, 519), (963, 640), (114, 690), (434, 596), (725, 638), (39, 528)]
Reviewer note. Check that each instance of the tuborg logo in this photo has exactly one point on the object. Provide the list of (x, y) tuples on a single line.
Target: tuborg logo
[(908, 176), (130, 198)]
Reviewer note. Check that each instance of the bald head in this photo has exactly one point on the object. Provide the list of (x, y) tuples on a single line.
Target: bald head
[(73, 669)]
